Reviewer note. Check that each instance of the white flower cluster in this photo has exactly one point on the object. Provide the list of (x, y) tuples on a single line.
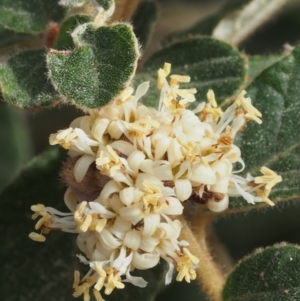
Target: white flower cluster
[(154, 159)]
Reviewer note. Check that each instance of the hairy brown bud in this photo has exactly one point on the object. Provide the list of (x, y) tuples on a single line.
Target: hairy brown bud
[(91, 185)]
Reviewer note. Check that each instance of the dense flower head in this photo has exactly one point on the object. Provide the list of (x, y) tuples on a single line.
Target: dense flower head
[(148, 162)]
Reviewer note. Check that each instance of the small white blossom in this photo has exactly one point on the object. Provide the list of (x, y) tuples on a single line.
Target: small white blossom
[(156, 159)]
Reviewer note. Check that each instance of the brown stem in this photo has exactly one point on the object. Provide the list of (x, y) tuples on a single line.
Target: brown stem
[(124, 10), (209, 274), (35, 43)]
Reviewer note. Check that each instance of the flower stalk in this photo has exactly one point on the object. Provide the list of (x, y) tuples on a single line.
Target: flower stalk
[(209, 274)]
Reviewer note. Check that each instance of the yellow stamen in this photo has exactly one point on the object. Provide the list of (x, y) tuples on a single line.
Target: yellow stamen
[(37, 237), (211, 98), (181, 78)]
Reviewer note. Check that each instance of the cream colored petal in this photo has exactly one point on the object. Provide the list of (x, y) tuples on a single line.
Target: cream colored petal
[(109, 188), (132, 239), (150, 223), (108, 240), (127, 195), (174, 206), (114, 130), (121, 227), (203, 174), (142, 177), (163, 171), (141, 90), (146, 166), (169, 274), (145, 261), (99, 128), (115, 203), (148, 244), (135, 159), (132, 213), (218, 206), (137, 281), (161, 147), (183, 189), (123, 147), (221, 186), (222, 168), (81, 167), (98, 208), (233, 155), (174, 152), (70, 200)]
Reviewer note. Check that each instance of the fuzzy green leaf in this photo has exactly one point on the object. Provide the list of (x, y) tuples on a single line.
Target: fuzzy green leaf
[(64, 40), (29, 16), (211, 64), (258, 63), (275, 143), (98, 69), (41, 271), (143, 21), (45, 270), (271, 274), (15, 148), (24, 82)]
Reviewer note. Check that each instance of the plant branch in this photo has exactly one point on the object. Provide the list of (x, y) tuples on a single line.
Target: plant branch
[(238, 26), (124, 10)]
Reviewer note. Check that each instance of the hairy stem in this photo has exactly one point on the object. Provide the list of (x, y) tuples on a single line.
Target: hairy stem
[(238, 26), (124, 10), (209, 274)]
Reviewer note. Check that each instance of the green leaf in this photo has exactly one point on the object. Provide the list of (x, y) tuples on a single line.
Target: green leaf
[(29, 16), (271, 274), (64, 40), (40, 271), (24, 82), (45, 271), (211, 64), (258, 63), (15, 148), (275, 143), (98, 69), (143, 21)]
